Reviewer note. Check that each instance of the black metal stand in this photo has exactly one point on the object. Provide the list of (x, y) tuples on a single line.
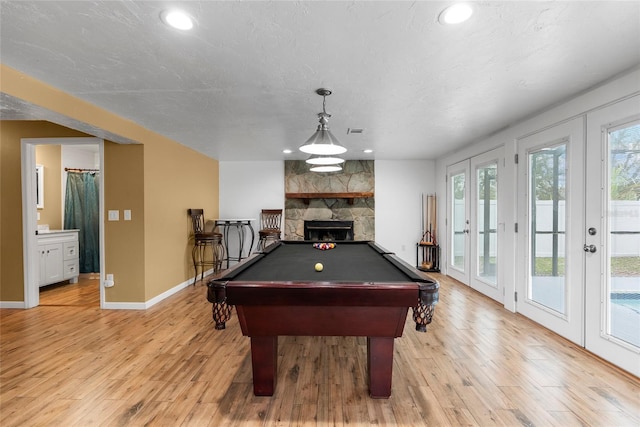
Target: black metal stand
[(427, 257)]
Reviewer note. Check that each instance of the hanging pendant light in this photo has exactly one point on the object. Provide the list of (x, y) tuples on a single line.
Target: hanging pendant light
[(326, 168), (323, 142), (324, 160)]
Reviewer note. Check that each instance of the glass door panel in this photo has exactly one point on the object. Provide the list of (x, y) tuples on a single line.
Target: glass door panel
[(622, 302), (487, 223), (460, 228), (547, 213), (458, 221)]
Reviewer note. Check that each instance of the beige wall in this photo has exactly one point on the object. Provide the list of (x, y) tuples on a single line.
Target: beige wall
[(158, 180), (176, 179), (11, 265), (49, 156), (124, 248)]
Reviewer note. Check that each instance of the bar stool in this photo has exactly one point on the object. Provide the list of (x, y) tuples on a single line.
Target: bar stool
[(270, 220), (201, 241)]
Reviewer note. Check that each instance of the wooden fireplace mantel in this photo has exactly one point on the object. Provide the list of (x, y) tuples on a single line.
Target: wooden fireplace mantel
[(349, 196)]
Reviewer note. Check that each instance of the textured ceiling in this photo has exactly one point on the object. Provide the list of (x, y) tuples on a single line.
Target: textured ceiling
[(241, 85)]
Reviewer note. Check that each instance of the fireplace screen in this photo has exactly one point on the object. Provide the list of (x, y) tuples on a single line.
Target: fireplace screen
[(328, 230)]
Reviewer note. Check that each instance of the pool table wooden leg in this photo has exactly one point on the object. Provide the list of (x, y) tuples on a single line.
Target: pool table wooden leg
[(380, 366), (264, 361)]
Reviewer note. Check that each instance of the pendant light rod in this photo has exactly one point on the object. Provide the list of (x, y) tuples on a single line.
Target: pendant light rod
[(322, 142), (324, 93)]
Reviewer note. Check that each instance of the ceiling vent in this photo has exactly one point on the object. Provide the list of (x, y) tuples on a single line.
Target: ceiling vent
[(354, 130)]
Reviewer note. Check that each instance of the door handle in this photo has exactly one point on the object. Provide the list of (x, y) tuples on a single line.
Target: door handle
[(589, 248)]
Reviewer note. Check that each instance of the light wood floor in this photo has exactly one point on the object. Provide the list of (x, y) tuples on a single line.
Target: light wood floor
[(478, 365), (85, 293)]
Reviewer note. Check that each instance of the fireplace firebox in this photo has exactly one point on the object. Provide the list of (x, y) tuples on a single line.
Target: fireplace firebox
[(328, 230)]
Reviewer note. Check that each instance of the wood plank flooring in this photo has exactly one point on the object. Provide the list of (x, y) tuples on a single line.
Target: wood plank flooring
[(86, 292), (478, 365)]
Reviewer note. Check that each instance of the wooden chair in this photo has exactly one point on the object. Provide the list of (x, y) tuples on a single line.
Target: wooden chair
[(203, 239), (270, 221)]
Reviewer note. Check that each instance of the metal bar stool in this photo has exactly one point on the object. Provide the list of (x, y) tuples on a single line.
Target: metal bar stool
[(203, 240), (270, 220)]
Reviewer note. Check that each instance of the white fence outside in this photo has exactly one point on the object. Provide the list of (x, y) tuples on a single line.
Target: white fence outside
[(624, 218)]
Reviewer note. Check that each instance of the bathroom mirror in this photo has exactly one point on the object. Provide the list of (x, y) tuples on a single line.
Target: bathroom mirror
[(40, 186)]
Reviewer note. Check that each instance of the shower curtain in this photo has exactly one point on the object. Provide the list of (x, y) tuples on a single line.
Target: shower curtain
[(81, 212)]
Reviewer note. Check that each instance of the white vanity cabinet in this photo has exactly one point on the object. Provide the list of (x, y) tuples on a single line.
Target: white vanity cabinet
[(58, 256)]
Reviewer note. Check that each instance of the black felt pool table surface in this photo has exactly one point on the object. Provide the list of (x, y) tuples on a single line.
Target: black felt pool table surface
[(347, 262)]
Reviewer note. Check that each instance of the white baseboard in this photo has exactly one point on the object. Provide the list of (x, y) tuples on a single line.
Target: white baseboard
[(153, 301), (124, 305), (12, 304)]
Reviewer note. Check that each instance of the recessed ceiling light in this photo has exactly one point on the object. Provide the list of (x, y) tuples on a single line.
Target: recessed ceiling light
[(455, 14), (367, 150), (287, 151), (177, 19)]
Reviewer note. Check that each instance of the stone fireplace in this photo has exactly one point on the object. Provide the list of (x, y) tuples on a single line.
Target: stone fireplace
[(328, 230), (330, 197)]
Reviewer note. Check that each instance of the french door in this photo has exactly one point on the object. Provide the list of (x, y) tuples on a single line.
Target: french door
[(612, 242), (486, 223), (458, 221), (579, 231), (473, 222), (550, 264)]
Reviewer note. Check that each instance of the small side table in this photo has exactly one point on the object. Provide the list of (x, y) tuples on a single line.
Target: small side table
[(428, 257), (240, 224)]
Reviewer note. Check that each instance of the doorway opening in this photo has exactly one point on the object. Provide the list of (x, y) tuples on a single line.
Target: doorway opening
[(80, 280)]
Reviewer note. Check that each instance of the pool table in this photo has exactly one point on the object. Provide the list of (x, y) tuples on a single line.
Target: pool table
[(362, 290)]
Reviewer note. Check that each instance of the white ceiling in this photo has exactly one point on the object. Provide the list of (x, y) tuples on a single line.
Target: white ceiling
[(241, 85)]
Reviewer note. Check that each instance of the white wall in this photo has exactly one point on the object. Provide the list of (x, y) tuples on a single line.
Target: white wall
[(399, 187), (248, 187), (77, 156), (80, 156)]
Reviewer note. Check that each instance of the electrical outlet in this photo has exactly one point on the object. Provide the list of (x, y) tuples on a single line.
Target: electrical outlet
[(108, 281)]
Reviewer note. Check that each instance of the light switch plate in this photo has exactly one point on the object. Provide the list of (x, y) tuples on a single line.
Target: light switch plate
[(127, 214), (114, 215)]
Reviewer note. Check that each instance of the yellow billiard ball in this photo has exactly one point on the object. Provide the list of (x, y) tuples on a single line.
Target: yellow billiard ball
[(319, 266)]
